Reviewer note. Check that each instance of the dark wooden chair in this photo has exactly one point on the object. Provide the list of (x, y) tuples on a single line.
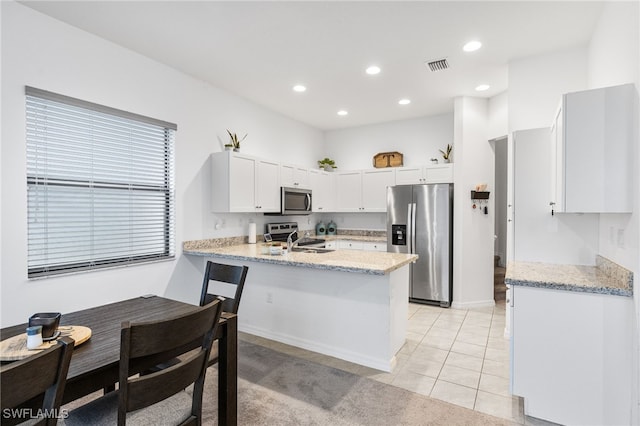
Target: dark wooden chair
[(232, 279), (159, 397), (232, 276), (35, 385)]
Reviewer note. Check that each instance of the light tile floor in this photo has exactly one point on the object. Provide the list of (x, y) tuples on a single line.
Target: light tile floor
[(458, 356)]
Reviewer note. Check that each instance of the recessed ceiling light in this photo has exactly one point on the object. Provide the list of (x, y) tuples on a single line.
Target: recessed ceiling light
[(299, 88), (404, 101), (482, 87), (472, 46), (373, 70), (342, 112)]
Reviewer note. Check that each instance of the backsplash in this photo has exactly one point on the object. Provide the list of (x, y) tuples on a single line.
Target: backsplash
[(244, 239), (615, 271)]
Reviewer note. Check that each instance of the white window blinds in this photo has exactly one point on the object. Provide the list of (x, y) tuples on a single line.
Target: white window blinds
[(100, 186)]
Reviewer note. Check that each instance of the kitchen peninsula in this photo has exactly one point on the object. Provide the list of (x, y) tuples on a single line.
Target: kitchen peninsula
[(348, 304)]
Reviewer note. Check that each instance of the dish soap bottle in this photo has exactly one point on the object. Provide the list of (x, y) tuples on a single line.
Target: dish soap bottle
[(332, 228)]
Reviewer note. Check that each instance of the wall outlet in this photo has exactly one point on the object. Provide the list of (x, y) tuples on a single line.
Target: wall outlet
[(269, 298)]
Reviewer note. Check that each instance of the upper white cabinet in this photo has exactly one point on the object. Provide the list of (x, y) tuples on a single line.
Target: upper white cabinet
[(294, 176), (349, 191), (591, 137), (363, 191), (436, 173), (321, 184), (374, 189), (241, 183)]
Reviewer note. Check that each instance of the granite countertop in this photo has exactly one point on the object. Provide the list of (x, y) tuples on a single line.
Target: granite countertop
[(605, 278), (364, 262)]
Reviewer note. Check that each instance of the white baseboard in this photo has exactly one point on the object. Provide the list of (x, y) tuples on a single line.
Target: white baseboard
[(367, 361), (473, 305)]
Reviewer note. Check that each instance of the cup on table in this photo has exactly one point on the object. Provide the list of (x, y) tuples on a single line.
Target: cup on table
[(34, 336)]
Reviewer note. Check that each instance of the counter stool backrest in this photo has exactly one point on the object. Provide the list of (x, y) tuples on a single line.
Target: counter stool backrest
[(40, 377), (229, 275)]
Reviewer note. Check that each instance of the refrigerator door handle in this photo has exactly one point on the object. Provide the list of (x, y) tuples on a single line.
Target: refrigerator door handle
[(413, 228), (409, 232)]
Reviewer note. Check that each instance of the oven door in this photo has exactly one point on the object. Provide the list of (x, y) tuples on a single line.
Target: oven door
[(295, 201)]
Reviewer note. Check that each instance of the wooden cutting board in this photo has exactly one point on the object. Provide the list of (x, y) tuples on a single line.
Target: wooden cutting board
[(15, 348)]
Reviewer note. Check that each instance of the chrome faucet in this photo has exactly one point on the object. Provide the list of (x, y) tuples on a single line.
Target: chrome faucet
[(291, 243)]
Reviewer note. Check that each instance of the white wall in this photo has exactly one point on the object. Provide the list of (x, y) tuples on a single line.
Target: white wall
[(472, 229), (498, 115), (418, 139), (536, 85), (616, 40), (42, 52)]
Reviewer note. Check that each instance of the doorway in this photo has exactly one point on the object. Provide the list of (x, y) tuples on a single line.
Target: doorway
[(501, 152)]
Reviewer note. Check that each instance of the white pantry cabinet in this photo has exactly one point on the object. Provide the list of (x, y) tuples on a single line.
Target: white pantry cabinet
[(363, 190), (294, 176), (571, 355), (435, 173), (241, 183), (592, 136)]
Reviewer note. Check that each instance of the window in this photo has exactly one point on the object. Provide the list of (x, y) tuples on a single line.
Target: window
[(100, 186)]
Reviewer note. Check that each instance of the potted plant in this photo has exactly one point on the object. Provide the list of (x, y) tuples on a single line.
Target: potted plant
[(327, 164), (446, 155), (235, 141)]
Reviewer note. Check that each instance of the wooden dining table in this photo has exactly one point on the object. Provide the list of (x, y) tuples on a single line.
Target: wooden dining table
[(94, 364)]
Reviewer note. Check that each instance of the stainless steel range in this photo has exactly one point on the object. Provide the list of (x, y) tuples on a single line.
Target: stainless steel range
[(280, 232)]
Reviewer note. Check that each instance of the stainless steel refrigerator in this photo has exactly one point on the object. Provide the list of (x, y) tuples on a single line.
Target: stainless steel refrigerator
[(420, 221)]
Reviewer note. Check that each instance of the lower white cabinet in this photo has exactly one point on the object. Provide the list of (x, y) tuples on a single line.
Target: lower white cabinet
[(356, 245), (571, 355), (350, 245), (369, 246)]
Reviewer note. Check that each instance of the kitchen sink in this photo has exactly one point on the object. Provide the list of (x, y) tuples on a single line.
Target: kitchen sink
[(317, 250)]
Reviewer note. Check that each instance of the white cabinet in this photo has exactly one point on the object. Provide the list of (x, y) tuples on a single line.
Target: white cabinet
[(333, 245), (370, 246), (294, 176), (592, 137), (571, 355), (349, 245), (241, 183), (321, 184), (356, 245), (436, 173), (374, 189), (349, 191), (363, 191)]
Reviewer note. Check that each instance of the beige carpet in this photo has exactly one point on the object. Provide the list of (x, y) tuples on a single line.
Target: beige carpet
[(278, 389)]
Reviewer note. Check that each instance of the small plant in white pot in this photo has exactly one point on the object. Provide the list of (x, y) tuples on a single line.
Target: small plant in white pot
[(446, 154), (235, 141), (327, 164)]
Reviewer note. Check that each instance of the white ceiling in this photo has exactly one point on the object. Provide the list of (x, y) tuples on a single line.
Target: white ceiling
[(259, 50)]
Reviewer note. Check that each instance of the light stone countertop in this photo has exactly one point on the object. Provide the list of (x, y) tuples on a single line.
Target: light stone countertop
[(364, 262), (604, 278), (363, 238)]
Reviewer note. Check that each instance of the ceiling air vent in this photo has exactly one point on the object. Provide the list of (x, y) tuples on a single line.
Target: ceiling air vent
[(438, 64)]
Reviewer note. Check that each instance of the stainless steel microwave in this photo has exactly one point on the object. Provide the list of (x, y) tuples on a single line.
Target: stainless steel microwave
[(295, 201)]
